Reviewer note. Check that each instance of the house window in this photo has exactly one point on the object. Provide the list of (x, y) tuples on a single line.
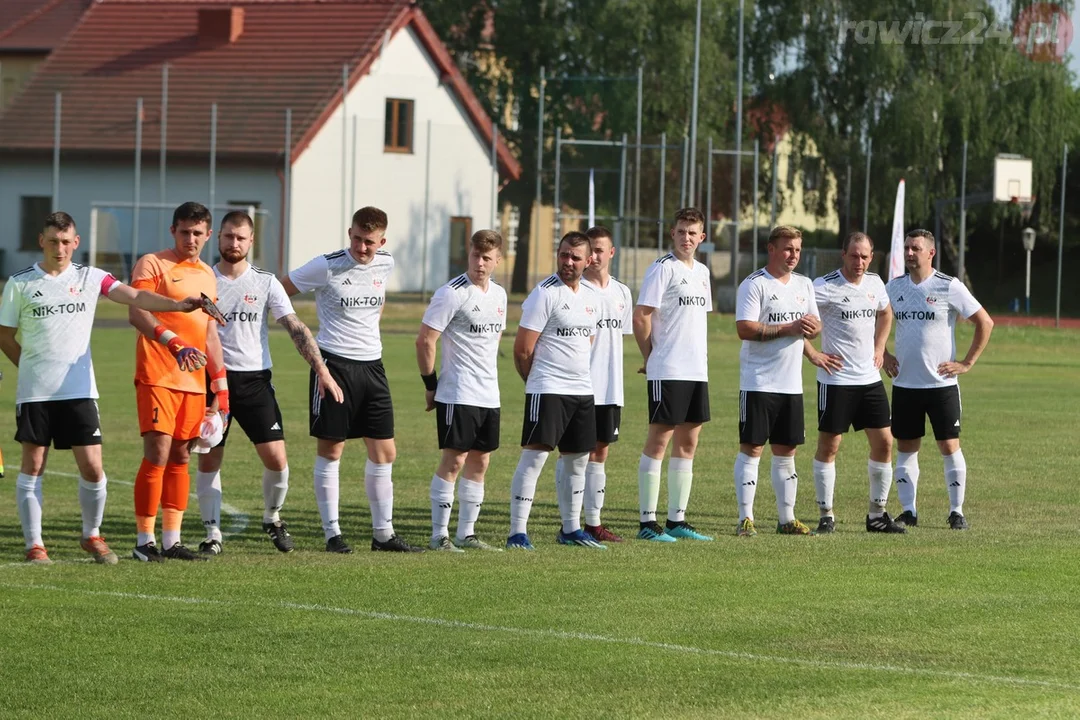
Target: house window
[(513, 220), (399, 126), (35, 208), (460, 232)]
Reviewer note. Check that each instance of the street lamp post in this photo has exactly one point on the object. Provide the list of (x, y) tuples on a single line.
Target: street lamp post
[(1028, 235)]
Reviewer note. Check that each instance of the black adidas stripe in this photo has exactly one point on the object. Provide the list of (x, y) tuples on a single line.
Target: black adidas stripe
[(23, 272), (333, 255)]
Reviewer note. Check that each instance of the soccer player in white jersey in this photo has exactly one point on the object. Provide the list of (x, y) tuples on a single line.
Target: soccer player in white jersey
[(53, 302), (775, 313), (246, 295), (551, 353), (925, 305), (671, 329), (606, 365), (350, 291), (855, 324), (468, 314)]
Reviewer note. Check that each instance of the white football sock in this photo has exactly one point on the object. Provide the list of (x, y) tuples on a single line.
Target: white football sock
[(92, 502), (648, 475), (680, 476), (169, 537), (275, 485), (570, 490), (327, 491), (523, 487), (907, 480), (442, 501), (379, 485), (595, 486), (956, 480), (785, 483), (470, 498), (746, 477), (824, 482), (880, 479), (208, 490), (29, 497)]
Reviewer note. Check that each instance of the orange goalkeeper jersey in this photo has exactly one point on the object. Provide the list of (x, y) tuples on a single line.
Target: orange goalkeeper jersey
[(166, 274)]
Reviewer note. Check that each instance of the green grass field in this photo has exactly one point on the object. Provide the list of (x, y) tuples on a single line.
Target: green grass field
[(931, 624)]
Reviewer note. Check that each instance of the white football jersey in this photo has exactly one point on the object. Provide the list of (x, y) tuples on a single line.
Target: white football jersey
[(471, 322), (925, 316), (245, 303), (565, 320), (682, 298), (773, 366), (349, 298), (848, 319), (55, 315), (616, 318)]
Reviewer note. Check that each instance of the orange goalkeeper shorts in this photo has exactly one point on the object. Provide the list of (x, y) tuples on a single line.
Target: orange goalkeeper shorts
[(172, 412)]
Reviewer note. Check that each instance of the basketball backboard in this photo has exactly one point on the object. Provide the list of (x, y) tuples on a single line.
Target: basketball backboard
[(1012, 179)]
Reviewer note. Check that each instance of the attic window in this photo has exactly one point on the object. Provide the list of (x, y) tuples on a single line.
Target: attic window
[(218, 26), (399, 126)]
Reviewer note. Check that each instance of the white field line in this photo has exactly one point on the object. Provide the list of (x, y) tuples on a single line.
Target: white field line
[(551, 634), (237, 525)]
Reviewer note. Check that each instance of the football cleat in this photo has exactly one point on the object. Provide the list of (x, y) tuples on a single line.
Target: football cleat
[(519, 541), (683, 529), (907, 519), (147, 553), (792, 528), (210, 547), (36, 555), (394, 544), (654, 533), (474, 543), (279, 535), (600, 533), (99, 550), (443, 544), (179, 552), (578, 538), (957, 522), (337, 544), (884, 524), (826, 525), (746, 528)]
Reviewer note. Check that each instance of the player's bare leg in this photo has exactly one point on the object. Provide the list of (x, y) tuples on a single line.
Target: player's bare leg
[(92, 494), (29, 498)]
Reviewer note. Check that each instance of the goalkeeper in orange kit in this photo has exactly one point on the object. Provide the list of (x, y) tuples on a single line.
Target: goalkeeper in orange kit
[(169, 387)]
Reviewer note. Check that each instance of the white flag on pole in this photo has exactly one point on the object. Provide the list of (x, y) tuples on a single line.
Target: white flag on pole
[(592, 198), (896, 253)]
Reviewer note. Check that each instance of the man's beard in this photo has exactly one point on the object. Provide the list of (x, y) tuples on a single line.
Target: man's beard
[(233, 256)]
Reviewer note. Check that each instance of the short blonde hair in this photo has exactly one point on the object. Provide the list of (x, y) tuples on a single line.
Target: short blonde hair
[(784, 232)]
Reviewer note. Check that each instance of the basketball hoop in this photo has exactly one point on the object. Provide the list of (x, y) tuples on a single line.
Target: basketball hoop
[(1026, 205)]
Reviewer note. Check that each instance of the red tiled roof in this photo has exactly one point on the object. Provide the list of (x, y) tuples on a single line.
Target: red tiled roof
[(289, 55), (37, 25)]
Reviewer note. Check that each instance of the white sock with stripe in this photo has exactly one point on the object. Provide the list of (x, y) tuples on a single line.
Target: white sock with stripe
[(275, 486), (326, 494), (208, 490), (470, 499), (29, 498), (746, 477), (907, 480), (648, 487), (680, 476), (824, 483), (379, 486), (785, 482), (880, 479), (92, 497), (570, 490), (442, 502), (956, 480), (523, 487)]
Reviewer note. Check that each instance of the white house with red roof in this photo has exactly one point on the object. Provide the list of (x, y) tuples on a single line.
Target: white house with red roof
[(254, 60)]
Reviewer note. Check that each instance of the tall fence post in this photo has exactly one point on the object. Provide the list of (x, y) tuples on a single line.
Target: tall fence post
[(1061, 232), (427, 212), (136, 197), (57, 105), (283, 261), (213, 170)]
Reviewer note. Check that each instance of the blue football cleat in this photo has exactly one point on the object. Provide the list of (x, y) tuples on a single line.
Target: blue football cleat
[(579, 538), (519, 542), (684, 530), (652, 531)]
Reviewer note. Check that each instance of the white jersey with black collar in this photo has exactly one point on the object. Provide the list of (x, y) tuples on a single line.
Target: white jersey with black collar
[(682, 297), (773, 366), (245, 302), (349, 297), (848, 323), (615, 319), (565, 320)]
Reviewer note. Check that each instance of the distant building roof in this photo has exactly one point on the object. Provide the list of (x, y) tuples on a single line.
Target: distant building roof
[(255, 58), (37, 25)]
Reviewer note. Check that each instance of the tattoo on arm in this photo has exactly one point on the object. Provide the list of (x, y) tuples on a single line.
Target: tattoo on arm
[(302, 339)]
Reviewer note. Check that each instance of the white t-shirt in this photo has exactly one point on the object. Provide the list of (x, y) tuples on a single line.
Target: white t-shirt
[(773, 366), (682, 298), (349, 298), (616, 318), (848, 320), (244, 302), (565, 320), (471, 322), (55, 315), (925, 316)]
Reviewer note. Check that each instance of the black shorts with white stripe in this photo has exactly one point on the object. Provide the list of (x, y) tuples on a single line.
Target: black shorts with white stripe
[(467, 427), (366, 411), (774, 418), (911, 407), (852, 406), (674, 402), (64, 424), (252, 404), (567, 422)]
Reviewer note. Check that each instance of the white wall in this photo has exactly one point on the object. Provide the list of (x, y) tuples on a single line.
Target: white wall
[(461, 173), (83, 182)]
